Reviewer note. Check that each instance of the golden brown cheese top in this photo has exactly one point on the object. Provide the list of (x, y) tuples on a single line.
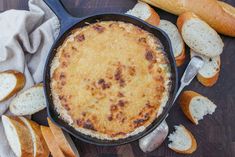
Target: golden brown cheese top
[(109, 78)]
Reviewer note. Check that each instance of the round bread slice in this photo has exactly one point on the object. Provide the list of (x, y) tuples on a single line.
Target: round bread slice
[(145, 12), (64, 140), (195, 106), (51, 142), (199, 36), (29, 102), (182, 141), (176, 40), (18, 136), (11, 82), (209, 73), (39, 144)]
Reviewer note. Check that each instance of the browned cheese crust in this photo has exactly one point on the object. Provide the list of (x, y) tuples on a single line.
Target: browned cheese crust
[(110, 79)]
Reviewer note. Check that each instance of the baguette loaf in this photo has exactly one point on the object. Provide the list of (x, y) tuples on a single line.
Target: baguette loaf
[(227, 8), (199, 36), (208, 10), (18, 136), (11, 82), (64, 140), (182, 141), (145, 12), (39, 144), (51, 142)]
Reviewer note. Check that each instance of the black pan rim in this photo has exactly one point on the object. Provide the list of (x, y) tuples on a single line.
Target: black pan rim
[(86, 138)]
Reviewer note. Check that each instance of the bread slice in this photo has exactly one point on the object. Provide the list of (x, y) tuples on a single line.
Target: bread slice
[(145, 12), (195, 106), (182, 141), (11, 82), (51, 142), (199, 36), (227, 8), (39, 144), (64, 140), (176, 40), (209, 73), (29, 102), (18, 136)]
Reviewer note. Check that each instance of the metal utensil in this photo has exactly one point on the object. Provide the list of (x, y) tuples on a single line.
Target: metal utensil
[(154, 139)]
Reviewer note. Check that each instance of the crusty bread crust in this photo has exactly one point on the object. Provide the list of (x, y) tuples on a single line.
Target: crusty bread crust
[(181, 58), (19, 84), (24, 136), (51, 142), (183, 18), (192, 148), (185, 100), (60, 139), (227, 8), (208, 82), (42, 149), (218, 18), (154, 18)]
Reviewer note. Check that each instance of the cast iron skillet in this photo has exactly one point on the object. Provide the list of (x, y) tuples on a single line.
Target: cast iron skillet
[(68, 23)]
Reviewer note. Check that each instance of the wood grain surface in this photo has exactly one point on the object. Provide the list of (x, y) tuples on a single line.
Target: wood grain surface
[(215, 134)]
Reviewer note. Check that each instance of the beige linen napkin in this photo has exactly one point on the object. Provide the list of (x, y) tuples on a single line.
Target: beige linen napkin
[(25, 40)]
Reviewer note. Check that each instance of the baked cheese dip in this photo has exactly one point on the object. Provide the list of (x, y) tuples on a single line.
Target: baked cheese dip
[(110, 79)]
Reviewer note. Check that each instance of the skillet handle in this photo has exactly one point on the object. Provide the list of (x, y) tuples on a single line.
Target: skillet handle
[(66, 20)]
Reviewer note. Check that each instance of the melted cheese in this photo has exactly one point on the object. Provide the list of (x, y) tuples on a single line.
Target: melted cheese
[(110, 79)]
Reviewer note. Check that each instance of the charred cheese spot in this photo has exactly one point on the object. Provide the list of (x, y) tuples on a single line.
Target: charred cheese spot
[(80, 37)]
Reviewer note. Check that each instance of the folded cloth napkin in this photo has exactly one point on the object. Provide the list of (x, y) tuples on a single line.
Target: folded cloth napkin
[(25, 40)]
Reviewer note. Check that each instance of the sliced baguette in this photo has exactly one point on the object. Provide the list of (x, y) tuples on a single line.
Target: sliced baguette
[(182, 141), (227, 8), (18, 136), (64, 140), (51, 142), (39, 144), (11, 82), (176, 40), (209, 73), (195, 106), (199, 36), (145, 12), (29, 102)]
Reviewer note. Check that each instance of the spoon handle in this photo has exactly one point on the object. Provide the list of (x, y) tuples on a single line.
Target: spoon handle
[(154, 139)]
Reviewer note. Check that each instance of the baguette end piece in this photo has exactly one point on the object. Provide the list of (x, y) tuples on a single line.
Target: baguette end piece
[(195, 106)]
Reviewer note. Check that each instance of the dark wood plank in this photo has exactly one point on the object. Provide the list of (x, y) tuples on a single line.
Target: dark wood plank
[(215, 135)]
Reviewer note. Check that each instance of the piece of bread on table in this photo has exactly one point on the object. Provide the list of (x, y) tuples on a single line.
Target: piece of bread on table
[(208, 10), (11, 82), (18, 136), (182, 141), (199, 36), (176, 40), (51, 142), (145, 12), (39, 144), (29, 102), (227, 8), (209, 73), (195, 106), (64, 140)]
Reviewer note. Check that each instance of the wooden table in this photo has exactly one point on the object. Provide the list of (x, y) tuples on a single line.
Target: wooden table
[(215, 134)]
